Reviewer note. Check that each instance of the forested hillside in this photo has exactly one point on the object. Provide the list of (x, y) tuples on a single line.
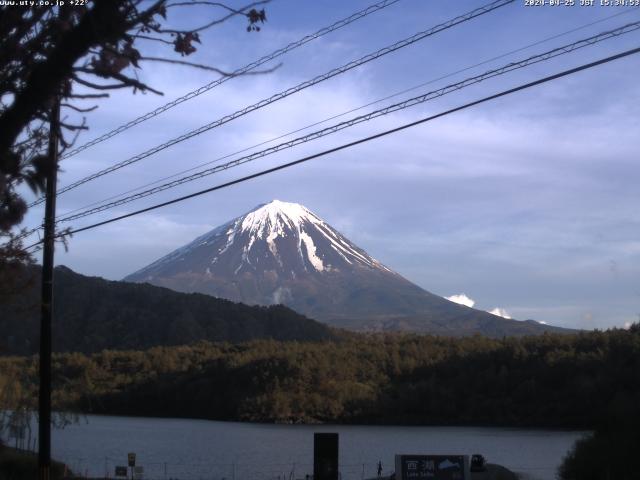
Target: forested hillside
[(92, 314), (550, 380)]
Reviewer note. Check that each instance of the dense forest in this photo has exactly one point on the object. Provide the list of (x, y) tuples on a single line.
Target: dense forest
[(587, 380), (92, 314), (551, 380)]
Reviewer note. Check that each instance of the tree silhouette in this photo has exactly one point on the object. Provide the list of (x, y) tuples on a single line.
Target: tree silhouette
[(79, 52)]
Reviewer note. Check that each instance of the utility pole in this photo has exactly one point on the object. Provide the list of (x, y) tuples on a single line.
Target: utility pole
[(46, 312)]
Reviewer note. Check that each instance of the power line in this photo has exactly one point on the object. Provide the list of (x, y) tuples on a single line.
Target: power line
[(86, 207), (333, 117), (240, 71), (367, 117), (332, 73), (360, 141)]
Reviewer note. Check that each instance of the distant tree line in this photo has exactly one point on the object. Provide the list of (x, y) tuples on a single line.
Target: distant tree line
[(576, 381), (92, 314)]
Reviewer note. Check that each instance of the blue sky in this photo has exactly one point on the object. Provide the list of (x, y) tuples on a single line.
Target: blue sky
[(528, 203)]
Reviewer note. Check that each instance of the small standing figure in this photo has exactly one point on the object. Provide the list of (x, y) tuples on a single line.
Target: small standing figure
[(380, 468)]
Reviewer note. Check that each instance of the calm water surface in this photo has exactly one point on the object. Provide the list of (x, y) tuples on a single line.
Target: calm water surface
[(201, 449)]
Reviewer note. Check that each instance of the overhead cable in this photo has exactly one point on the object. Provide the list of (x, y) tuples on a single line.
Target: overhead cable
[(347, 112), (367, 117), (240, 71), (356, 142), (279, 96)]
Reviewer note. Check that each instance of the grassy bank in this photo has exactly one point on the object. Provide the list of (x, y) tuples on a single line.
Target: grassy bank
[(19, 465)]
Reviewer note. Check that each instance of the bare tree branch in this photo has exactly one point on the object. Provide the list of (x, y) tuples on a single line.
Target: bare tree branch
[(212, 4), (78, 109), (207, 67), (72, 127), (97, 86), (145, 37), (215, 22), (87, 96), (135, 83)]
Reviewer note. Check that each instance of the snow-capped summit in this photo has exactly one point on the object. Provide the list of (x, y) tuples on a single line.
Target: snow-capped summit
[(279, 252), (284, 239), (277, 219)]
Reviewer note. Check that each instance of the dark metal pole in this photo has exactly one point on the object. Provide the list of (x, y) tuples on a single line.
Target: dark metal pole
[(44, 424)]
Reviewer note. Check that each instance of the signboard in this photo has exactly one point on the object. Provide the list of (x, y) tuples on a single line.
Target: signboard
[(432, 467), (132, 459), (121, 471), (138, 472)]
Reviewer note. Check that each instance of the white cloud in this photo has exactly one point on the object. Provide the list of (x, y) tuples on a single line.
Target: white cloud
[(462, 299), (627, 325), (500, 312)]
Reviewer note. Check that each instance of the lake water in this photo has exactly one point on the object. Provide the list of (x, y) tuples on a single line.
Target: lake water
[(201, 449)]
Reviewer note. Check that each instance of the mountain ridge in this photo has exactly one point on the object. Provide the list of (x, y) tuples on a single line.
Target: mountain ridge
[(281, 252), (92, 314)]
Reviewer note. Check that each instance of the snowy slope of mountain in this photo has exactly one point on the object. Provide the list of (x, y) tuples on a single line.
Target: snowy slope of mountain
[(279, 237), (283, 253), (278, 253)]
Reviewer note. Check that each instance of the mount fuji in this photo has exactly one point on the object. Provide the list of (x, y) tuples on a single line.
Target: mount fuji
[(283, 253)]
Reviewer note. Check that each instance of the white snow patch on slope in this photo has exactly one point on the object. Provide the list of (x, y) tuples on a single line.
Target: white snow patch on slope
[(231, 235), (311, 251), (271, 243)]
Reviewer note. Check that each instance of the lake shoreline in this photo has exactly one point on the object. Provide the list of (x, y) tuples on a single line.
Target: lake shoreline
[(192, 448), (551, 428)]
